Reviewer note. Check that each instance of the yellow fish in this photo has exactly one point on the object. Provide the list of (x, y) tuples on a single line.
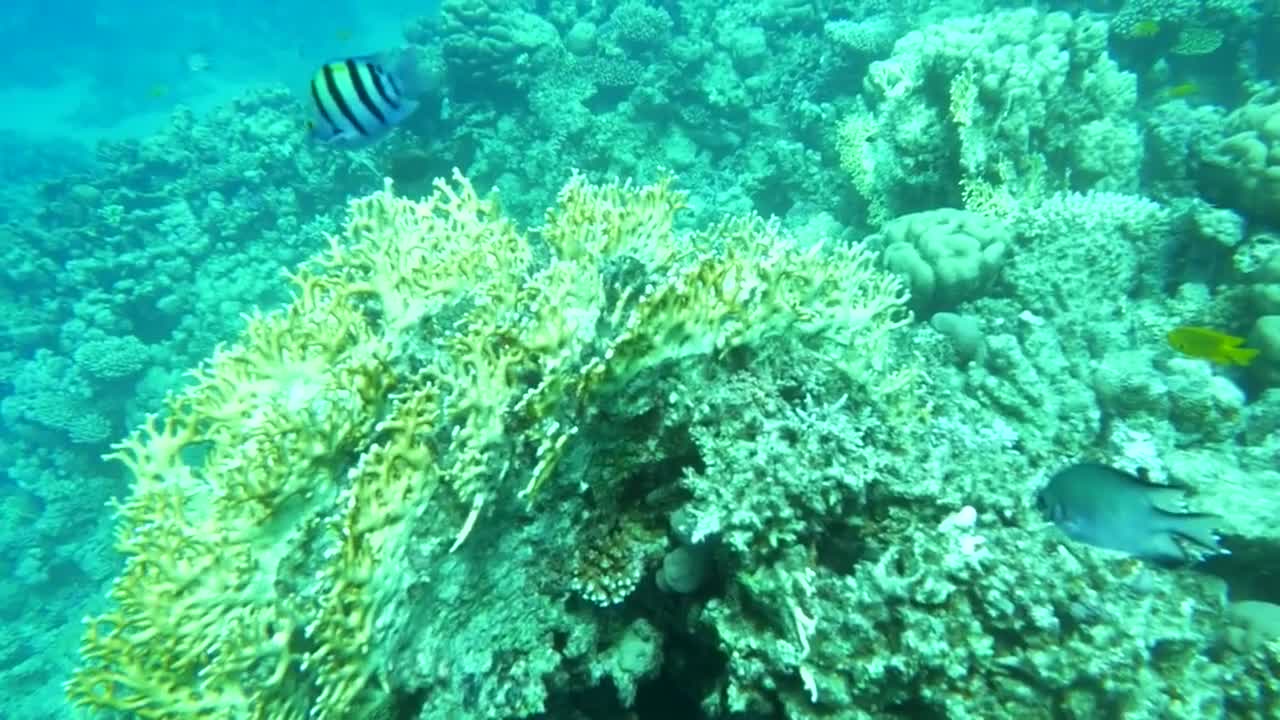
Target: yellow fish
[(1211, 345), (1145, 29), (1181, 90)]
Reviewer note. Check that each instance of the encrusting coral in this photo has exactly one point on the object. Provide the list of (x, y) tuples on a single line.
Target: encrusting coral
[(431, 362)]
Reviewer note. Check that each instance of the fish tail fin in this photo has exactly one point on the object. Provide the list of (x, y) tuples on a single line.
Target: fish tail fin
[(1241, 355), (413, 70), (1199, 528)]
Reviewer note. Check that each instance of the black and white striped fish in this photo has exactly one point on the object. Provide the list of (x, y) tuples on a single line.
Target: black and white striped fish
[(356, 101)]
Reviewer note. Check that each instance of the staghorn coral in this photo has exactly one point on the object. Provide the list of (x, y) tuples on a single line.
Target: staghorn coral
[(426, 368)]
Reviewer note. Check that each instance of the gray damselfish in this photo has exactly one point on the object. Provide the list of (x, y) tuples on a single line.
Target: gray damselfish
[(1110, 508)]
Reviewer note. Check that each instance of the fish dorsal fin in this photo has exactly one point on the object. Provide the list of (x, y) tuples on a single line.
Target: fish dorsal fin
[(370, 59), (1143, 477)]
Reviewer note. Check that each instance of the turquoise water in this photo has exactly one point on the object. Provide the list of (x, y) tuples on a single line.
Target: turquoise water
[(742, 368)]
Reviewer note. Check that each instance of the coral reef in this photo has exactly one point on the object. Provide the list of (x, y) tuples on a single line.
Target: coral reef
[(1240, 171), (658, 456), (1015, 104), (120, 275), (425, 365)]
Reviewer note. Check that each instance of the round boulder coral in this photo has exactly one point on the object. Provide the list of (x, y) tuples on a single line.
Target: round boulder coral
[(1243, 170), (946, 256), (113, 358)]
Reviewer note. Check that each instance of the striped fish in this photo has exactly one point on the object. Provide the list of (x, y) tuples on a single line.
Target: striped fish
[(356, 102)]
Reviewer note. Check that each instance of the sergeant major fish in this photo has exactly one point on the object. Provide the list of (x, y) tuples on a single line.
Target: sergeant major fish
[(357, 101), (1110, 508)]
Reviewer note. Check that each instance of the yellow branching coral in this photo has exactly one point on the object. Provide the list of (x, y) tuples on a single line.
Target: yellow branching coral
[(426, 365), (855, 146)]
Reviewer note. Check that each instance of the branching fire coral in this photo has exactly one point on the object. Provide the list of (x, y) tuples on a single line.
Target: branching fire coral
[(433, 361)]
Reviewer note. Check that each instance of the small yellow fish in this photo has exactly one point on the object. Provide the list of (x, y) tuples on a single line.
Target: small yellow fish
[(1211, 345), (1181, 90), (1144, 29)]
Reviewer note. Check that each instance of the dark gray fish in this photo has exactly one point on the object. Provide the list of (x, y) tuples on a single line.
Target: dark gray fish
[(1110, 508)]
